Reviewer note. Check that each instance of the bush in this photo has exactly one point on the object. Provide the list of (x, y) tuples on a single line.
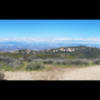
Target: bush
[(79, 62), (34, 66), (1, 75), (58, 62), (1, 64), (48, 62), (97, 61), (14, 64), (73, 62), (64, 63)]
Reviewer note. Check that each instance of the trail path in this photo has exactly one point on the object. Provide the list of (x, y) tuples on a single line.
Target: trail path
[(88, 73), (73, 73)]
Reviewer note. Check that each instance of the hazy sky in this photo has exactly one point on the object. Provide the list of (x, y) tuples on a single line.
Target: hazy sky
[(48, 29)]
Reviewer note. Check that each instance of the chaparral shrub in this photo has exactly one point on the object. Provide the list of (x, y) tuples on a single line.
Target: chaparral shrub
[(34, 66), (1, 75)]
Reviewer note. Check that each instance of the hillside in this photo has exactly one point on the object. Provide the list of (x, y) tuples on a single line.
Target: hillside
[(70, 52), (30, 59), (63, 52)]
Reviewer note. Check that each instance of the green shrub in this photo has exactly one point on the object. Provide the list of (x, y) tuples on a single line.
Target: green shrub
[(45, 62), (1, 75), (79, 62), (64, 63), (14, 64), (97, 61), (34, 66), (48, 62), (58, 62), (73, 62)]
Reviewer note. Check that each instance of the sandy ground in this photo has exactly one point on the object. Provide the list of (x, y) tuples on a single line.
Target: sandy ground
[(88, 73), (78, 73), (34, 75)]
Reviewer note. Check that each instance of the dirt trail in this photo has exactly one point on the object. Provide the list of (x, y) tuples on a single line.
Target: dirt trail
[(88, 73), (73, 73)]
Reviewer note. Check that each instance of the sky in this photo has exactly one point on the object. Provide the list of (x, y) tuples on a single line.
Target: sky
[(50, 30)]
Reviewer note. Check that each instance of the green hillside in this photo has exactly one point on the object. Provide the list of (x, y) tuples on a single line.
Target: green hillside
[(70, 52), (30, 59)]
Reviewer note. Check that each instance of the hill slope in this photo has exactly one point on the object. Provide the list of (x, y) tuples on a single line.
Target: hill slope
[(72, 52)]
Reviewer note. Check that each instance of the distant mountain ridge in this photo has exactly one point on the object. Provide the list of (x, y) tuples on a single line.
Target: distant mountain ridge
[(72, 52), (15, 45), (63, 52)]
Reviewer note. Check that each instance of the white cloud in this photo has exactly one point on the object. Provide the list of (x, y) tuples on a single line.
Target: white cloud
[(26, 39)]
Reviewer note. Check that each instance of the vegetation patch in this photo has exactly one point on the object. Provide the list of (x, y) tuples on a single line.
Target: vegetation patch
[(35, 66), (37, 60), (1, 75)]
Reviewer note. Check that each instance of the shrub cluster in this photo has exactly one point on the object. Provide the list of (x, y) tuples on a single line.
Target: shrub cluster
[(10, 61), (34, 66), (97, 61), (48, 62), (68, 62), (14, 64), (1, 75)]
